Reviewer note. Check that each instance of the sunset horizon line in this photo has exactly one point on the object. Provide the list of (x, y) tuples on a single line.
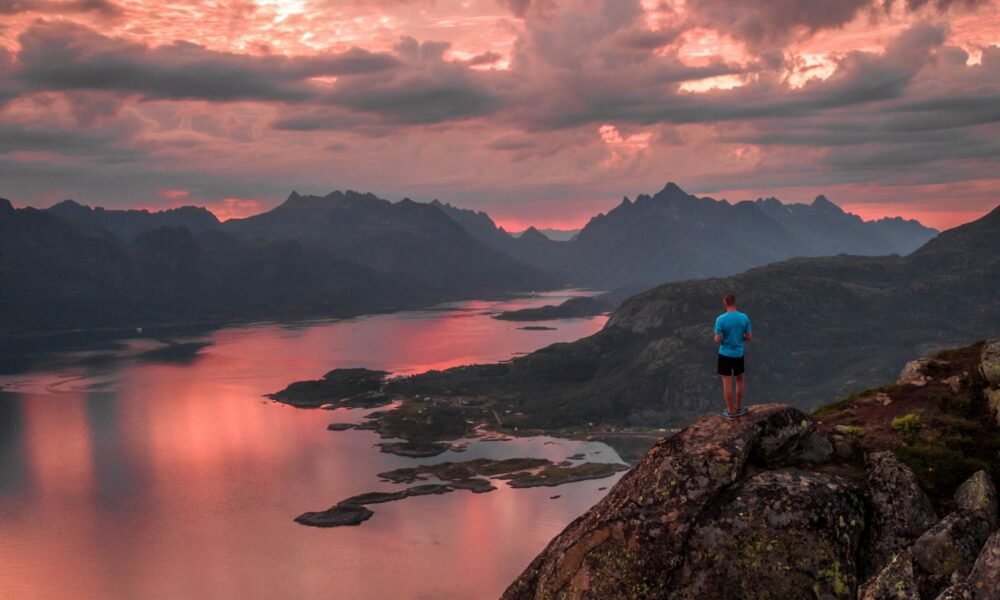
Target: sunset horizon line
[(235, 208)]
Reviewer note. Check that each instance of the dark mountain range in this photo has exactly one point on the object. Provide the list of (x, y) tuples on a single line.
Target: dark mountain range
[(129, 223), (75, 267), (823, 327), (104, 267), (673, 235), (59, 275), (414, 243), (826, 229)]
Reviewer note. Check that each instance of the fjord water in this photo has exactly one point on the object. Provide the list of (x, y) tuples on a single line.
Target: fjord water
[(125, 474)]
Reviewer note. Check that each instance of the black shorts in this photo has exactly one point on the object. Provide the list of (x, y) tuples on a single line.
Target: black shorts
[(730, 366)]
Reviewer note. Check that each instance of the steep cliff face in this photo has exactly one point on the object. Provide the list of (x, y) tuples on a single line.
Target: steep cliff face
[(780, 504)]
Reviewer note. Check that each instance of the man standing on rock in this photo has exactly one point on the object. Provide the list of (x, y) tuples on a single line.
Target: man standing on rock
[(732, 329)]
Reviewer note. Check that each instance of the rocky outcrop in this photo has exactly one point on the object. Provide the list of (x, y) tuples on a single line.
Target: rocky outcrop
[(913, 373), (900, 510), (634, 542), (766, 507)]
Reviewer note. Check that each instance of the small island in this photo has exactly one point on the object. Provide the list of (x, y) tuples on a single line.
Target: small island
[(471, 475), (573, 308)]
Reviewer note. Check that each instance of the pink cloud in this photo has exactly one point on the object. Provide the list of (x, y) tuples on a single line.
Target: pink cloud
[(539, 112)]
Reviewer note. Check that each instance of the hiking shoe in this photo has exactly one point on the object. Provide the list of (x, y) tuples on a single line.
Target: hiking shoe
[(726, 414), (741, 411)]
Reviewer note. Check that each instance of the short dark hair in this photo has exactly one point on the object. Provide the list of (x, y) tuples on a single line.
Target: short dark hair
[(730, 300)]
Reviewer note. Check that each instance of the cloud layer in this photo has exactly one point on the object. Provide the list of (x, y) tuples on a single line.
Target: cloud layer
[(538, 111)]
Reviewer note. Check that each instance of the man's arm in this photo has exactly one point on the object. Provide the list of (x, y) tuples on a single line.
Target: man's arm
[(748, 334), (718, 332)]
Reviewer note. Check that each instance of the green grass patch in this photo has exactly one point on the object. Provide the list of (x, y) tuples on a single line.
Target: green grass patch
[(908, 426)]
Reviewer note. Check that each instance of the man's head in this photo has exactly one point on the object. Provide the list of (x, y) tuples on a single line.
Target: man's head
[(729, 301)]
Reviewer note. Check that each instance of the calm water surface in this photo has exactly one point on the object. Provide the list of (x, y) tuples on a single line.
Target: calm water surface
[(130, 477)]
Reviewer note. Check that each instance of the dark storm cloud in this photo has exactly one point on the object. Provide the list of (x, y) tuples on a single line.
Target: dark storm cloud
[(938, 4), (95, 146), (760, 22), (64, 56), (775, 22), (427, 89), (102, 8)]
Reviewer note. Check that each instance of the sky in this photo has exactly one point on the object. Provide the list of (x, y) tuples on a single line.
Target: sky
[(540, 112)]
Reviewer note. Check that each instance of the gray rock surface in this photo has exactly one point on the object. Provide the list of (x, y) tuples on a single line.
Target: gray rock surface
[(913, 373), (979, 493), (901, 511), (949, 550), (638, 532), (754, 540)]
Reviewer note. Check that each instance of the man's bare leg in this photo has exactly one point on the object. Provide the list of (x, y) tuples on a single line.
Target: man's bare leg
[(727, 393), (740, 388)]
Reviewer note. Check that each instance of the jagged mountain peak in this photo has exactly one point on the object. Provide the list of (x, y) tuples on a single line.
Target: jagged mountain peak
[(532, 233), (824, 203)]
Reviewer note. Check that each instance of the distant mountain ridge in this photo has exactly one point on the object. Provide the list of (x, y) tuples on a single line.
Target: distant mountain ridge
[(673, 235), (823, 327)]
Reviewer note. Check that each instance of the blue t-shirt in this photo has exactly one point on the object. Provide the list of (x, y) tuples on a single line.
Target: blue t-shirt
[(732, 326)]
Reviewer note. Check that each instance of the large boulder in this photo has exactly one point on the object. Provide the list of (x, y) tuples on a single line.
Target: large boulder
[(979, 493), (752, 543), (631, 543), (948, 551), (896, 581), (989, 362), (985, 575), (900, 511)]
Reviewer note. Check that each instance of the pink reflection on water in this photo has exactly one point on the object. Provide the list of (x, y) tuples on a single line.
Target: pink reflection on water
[(143, 480)]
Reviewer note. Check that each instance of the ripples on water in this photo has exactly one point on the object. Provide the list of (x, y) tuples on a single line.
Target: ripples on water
[(128, 472)]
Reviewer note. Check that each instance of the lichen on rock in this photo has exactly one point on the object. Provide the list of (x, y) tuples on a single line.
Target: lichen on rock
[(949, 550), (632, 543), (979, 493)]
